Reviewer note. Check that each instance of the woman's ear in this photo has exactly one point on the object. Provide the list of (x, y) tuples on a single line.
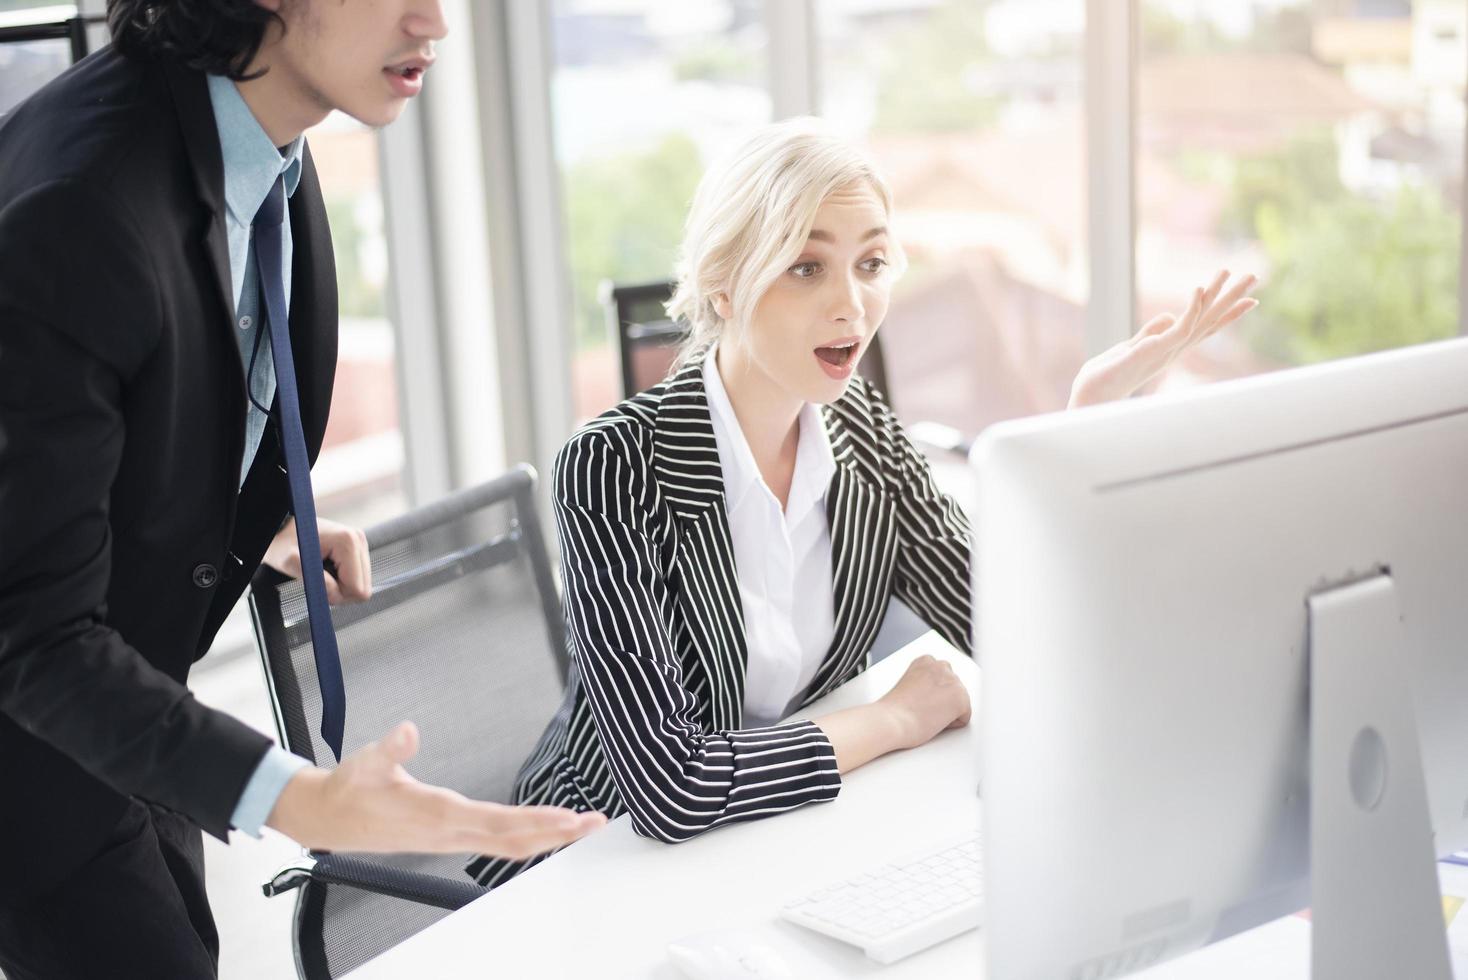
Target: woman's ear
[(722, 306)]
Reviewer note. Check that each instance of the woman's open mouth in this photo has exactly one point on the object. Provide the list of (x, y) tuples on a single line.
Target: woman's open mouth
[(839, 358)]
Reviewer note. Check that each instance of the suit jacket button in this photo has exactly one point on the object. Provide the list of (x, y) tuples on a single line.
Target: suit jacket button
[(205, 575)]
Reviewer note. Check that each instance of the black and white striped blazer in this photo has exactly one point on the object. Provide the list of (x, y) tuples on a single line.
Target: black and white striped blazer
[(652, 720)]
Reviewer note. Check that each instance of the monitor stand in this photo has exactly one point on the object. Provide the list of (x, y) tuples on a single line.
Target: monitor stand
[(1376, 908)]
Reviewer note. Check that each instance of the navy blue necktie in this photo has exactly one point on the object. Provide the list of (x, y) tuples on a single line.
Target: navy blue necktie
[(270, 264)]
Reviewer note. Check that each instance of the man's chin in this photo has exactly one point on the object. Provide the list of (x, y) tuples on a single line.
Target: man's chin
[(376, 115)]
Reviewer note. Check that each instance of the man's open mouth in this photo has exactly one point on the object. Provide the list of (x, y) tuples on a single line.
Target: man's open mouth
[(412, 69)]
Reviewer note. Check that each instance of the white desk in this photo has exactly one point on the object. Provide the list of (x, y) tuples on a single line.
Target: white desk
[(608, 906)]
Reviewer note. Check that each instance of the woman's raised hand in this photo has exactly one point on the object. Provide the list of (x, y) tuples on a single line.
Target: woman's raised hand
[(1121, 370)]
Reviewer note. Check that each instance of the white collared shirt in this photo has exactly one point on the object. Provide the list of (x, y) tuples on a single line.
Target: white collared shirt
[(782, 558)]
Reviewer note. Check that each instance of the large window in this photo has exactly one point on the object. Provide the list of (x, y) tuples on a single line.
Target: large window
[(973, 109), (1319, 144), (644, 94), (358, 477)]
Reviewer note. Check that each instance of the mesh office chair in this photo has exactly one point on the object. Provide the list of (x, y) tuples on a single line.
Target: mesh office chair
[(647, 341), (463, 635)]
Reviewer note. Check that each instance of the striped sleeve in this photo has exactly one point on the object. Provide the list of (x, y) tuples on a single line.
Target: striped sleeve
[(676, 779), (933, 549)]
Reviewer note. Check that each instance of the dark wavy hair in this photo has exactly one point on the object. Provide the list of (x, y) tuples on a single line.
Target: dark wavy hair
[(220, 37)]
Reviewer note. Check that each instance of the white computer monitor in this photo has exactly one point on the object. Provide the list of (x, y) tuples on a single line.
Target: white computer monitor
[(1193, 612)]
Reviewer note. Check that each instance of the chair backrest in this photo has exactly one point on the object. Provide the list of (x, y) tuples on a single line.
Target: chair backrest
[(464, 636), (647, 341)]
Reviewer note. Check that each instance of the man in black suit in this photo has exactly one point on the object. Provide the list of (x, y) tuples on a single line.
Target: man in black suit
[(140, 484)]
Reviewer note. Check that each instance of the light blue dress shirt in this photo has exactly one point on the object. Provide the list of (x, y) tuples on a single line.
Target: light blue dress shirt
[(251, 166)]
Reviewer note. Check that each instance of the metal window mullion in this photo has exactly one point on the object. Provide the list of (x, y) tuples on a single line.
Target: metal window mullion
[(529, 264), (487, 22), (457, 194), (413, 309), (545, 269), (794, 58), (1111, 136)]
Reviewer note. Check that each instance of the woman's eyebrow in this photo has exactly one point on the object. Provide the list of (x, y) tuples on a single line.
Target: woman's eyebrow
[(817, 235)]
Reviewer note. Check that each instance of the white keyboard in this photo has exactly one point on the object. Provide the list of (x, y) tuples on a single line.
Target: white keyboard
[(898, 909)]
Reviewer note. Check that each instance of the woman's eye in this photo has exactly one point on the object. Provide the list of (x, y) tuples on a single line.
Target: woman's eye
[(873, 265), (804, 270)]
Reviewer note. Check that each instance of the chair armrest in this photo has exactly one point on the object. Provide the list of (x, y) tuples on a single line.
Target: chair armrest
[(290, 877), (381, 879)]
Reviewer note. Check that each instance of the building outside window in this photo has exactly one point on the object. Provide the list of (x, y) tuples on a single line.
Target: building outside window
[(1319, 144)]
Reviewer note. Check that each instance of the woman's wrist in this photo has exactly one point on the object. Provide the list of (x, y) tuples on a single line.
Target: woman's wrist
[(899, 722), (859, 735)]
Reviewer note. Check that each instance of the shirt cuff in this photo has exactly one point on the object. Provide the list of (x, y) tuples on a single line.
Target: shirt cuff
[(264, 788)]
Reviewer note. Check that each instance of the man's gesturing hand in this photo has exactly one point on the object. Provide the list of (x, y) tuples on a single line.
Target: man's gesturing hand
[(370, 803)]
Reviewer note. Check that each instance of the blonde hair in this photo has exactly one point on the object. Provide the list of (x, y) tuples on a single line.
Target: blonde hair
[(750, 219)]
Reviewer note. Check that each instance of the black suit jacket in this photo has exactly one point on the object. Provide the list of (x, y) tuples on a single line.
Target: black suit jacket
[(124, 536)]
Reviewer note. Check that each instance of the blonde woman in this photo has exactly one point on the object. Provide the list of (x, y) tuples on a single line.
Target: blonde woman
[(730, 539)]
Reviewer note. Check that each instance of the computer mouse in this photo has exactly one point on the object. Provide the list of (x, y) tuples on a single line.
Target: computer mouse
[(729, 956)]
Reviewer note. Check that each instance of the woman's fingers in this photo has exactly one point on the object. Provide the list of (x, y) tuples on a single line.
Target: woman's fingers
[(1212, 291), (1240, 288), (1217, 309), (1239, 309), (1190, 316)]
